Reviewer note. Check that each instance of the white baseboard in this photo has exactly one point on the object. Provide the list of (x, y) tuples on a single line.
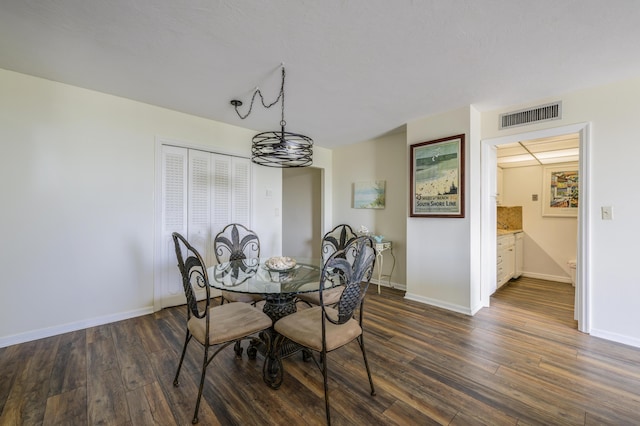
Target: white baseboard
[(74, 326), (175, 300), (615, 337), (558, 278), (180, 299), (439, 303), (384, 283)]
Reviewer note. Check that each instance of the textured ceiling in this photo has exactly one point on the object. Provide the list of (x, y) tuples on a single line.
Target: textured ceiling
[(355, 69)]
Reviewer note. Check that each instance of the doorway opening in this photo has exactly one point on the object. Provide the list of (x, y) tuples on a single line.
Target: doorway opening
[(302, 212), (488, 214)]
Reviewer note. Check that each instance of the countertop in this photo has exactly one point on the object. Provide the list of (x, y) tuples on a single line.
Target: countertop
[(508, 231)]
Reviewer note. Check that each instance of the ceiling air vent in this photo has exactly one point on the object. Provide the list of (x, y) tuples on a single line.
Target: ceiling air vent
[(532, 115)]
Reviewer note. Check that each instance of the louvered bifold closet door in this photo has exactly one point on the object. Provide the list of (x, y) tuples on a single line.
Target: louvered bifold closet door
[(231, 192), (174, 219), (241, 191), (221, 193), (199, 204), (202, 192)]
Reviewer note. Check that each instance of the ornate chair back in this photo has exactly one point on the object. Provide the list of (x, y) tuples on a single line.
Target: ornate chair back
[(333, 241), (336, 239), (236, 242), (194, 275), (355, 265)]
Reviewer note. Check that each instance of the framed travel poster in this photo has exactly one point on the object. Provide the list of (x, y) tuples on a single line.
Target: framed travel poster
[(437, 178)]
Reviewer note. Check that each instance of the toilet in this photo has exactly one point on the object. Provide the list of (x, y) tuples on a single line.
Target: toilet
[(572, 271)]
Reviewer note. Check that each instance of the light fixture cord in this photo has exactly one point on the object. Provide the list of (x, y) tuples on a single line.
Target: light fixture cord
[(258, 92)]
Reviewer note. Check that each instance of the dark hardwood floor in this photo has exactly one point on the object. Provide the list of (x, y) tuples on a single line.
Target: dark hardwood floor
[(521, 361)]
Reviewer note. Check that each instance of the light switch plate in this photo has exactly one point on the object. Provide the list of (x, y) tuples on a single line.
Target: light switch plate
[(607, 212)]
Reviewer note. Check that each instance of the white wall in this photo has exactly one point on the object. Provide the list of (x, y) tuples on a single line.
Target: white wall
[(323, 160), (438, 249), (267, 209), (549, 242), (612, 111), (77, 182), (77, 186), (385, 159), (302, 212)]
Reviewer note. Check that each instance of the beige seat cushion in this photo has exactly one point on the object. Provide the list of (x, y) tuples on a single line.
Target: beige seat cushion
[(330, 297), (305, 328), (230, 321)]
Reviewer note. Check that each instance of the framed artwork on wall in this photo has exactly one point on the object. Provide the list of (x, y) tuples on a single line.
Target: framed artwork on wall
[(437, 178), (369, 195), (560, 195)]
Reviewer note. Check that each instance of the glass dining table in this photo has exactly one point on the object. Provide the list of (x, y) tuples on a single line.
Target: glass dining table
[(279, 287)]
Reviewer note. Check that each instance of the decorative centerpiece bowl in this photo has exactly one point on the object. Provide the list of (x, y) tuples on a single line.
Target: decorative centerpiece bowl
[(363, 231), (280, 263)]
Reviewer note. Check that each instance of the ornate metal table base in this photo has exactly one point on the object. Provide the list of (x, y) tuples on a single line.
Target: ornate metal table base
[(279, 288), (270, 344), (279, 306)]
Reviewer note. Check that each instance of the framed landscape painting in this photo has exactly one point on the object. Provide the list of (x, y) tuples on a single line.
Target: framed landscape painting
[(369, 195), (437, 178)]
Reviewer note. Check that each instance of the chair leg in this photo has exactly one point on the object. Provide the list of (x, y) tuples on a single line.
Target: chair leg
[(176, 382), (326, 387), (306, 355), (204, 371), (366, 363), (237, 348)]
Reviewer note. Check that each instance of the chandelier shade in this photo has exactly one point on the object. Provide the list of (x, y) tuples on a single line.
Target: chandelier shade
[(282, 149), (278, 148)]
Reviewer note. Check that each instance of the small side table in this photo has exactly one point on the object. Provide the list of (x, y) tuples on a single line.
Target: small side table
[(381, 247)]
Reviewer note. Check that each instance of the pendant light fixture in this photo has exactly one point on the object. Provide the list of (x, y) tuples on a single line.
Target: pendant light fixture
[(278, 148)]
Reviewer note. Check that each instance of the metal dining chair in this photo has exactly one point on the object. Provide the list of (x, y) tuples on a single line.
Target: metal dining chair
[(236, 242), (322, 329), (211, 326), (333, 241)]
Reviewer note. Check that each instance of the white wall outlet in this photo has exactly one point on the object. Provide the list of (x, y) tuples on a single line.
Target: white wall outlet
[(607, 212)]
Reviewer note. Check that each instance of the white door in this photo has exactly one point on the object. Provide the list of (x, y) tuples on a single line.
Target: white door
[(173, 219), (201, 193), (199, 203), (241, 191), (488, 255)]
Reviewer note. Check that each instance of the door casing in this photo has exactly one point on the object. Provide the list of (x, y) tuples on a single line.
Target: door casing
[(488, 167)]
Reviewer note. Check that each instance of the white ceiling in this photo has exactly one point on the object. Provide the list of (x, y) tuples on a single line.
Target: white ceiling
[(558, 149), (356, 69)]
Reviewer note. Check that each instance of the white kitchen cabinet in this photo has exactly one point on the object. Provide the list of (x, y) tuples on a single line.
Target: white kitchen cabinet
[(506, 267), (519, 253)]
